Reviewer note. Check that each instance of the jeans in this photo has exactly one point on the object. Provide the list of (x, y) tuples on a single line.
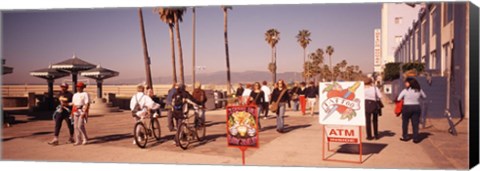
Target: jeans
[(411, 112), (265, 109), (170, 120), (59, 118), (280, 114), (371, 117), (259, 111), (296, 105)]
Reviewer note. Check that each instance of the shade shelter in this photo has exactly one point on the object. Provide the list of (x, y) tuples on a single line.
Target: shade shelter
[(50, 75), (6, 69), (99, 74), (74, 66)]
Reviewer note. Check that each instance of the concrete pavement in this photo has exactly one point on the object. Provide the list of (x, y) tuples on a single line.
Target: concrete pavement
[(111, 141)]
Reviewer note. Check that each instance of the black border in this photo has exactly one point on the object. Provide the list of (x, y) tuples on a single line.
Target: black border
[(474, 77)]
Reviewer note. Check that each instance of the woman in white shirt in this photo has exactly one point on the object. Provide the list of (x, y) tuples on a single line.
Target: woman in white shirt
[(81, 104), (411, 110), (372, 95)]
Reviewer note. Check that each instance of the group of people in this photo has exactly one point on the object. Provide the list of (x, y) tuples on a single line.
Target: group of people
[(411, 110), (73, 107), (281, 96)]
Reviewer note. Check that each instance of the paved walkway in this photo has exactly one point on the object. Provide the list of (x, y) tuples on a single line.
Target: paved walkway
[(111, 141)]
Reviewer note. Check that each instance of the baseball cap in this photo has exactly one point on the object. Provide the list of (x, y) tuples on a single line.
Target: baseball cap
[(64, 85), (81, 84)]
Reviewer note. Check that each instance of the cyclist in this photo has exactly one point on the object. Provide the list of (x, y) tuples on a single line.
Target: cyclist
[(180, 104), (141, 105)]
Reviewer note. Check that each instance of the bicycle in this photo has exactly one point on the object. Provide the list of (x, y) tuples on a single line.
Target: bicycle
[(187, 131), (141, 133)]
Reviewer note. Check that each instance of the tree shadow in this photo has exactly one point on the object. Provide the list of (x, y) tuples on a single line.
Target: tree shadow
[(33, 134), (208, 139), (386, 133), (110, 138), (287, 128), (209, 124)]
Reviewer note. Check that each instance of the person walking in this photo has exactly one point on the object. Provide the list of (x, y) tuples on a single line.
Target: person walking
[(411, 110), (81, 105), (257, 98), (294, 96), (280, 94), (372, 108), (267, 93), (239, 93), (200, 96), (311, 95), (168, 100), (246, 93), (301, 97), (62, 113)]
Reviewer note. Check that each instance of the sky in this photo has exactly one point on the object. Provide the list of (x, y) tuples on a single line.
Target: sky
[(34, 39)]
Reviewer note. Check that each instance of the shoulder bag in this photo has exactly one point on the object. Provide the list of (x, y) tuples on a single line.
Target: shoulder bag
[(274, 105)]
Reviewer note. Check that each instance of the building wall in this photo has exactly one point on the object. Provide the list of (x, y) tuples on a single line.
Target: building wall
[(443, 47), (392, 31)]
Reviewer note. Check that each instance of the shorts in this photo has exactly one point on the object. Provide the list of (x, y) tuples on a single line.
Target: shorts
[(311, 101)]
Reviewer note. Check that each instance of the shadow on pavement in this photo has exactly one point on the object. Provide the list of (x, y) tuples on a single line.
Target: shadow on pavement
[(367, 148), (386, 133), (110, 138), (209, 138), (213, 123), (421, 136), (287, 128), (34, 134)]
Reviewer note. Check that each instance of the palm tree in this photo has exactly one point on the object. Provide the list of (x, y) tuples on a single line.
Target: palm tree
[(303, 38), (272, 36), (227, 57), (167, 16), (193, 46), (145, 49), (178, 15), (330, 51)]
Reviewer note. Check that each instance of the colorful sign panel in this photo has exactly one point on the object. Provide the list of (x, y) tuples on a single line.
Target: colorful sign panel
[(342, 103), (242, 126), (343, 134)]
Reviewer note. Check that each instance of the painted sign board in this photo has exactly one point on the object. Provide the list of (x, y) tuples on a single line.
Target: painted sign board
[(342, 103), (242, 126)]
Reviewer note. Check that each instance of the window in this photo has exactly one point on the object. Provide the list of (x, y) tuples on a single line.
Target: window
[(448, 8), (424, 32), (398, 39), (433, 20), (398, 20), (433, 61)]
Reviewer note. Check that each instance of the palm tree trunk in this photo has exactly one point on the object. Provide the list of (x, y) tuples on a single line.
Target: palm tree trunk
[(275, 64), (304, 56), (145, 50), (193, 48), (172, 44), (180, 53), (330, 57), (227, 57)]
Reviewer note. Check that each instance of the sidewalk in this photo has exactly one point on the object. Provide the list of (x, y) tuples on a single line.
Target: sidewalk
[(111, 141)]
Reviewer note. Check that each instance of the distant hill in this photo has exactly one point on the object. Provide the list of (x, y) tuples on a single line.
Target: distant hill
[(220, 77)]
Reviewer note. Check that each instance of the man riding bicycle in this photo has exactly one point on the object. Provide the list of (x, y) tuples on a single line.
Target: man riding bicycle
[(181, 102), (142, 105)]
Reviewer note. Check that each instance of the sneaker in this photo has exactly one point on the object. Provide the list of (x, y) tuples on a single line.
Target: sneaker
[(264, 118), (134, 142), (70, 141), (155, 115), (76, 143), (53, 142), (84, 142)]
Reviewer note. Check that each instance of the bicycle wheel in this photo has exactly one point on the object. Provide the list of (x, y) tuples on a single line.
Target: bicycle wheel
[(182, 136), (201, 129), (157, 133), (140, 135)]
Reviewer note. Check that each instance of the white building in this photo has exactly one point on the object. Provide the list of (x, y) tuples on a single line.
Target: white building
[(396, 18)]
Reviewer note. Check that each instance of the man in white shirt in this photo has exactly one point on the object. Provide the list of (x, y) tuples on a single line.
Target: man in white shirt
[(81, 104), (246, 93), (144, 102), (267, 92)]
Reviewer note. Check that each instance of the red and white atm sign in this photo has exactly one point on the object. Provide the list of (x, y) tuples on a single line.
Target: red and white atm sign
[(343, 134)]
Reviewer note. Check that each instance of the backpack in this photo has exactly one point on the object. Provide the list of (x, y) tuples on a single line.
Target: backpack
[(137, 106), (178, 102)]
